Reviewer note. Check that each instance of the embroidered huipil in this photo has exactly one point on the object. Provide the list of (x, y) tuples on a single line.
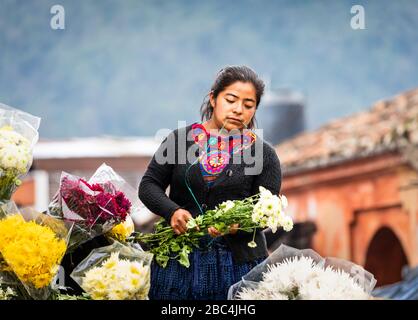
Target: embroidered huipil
[(217, 150)]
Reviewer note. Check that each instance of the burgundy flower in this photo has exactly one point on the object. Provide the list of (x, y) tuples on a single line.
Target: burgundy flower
[(102, 204), (94, 187), (122, 201)]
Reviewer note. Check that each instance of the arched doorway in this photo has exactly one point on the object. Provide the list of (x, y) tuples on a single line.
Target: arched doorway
[(385, 257)]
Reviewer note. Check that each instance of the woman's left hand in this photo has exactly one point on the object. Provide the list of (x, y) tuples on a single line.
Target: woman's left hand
[(233, 229), (214, 232)]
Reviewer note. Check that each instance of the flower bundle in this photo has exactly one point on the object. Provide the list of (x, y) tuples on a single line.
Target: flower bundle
[(6, 292), (116, 272), (259, 211), (95, 206), (93, 202), (18, 134), (32, 249), (303, 276)]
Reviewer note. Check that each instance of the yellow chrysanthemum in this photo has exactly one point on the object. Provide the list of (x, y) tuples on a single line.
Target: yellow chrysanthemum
[(123, 230), (31, 250)]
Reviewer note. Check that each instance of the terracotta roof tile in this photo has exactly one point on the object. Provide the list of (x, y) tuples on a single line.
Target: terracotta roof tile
[(388, 125)]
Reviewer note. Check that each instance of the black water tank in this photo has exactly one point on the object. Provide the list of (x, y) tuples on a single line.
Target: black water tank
[(281, 115)]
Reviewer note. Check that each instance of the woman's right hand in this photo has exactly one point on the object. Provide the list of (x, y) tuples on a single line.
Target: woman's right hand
[(179, 220)]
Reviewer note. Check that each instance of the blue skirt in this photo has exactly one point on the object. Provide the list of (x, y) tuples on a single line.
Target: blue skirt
[(211, 273)]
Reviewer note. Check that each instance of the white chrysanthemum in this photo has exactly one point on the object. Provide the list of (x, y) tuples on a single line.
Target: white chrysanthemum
[(302, 278), (255, 294), (257, 213), (283, 201), (14, 157), (15, 150), (227, 205), (268, 211), (263, 222), (287, 223), (118, 279), (7, 294), (264, 193), (8, 135), (273, 223), (8, 157), (337, 285), (270, 206), (3, 142)]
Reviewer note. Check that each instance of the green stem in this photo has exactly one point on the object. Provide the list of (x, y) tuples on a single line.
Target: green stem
[(254, 234)]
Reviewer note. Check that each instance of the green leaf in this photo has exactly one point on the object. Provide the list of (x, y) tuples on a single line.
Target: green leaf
[(191, 223), (218, 214), (184, 259), (199, 220), (162, 260), (175, 247), (220, 226)]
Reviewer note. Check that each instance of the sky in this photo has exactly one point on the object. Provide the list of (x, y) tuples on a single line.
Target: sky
[(132, 67)]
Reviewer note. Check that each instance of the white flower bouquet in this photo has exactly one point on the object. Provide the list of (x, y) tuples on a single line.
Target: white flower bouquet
[(115, 272), (18, 135), (259, 211), (6, 290), (292, 274)]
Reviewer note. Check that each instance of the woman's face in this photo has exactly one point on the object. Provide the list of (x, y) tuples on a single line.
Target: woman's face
[(234, 106)]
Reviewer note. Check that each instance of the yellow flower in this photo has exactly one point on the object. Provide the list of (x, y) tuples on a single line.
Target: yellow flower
[(7, 128), (123, 230), (31, 250)]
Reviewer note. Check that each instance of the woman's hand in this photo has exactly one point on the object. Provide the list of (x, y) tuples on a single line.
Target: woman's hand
[(179, 220), (233, 229), (214, 232)]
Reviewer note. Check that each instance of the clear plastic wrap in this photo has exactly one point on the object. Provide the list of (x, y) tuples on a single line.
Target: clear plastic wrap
[(32, 246), (95, 206), (18, 135), (8, 286), (115, 272), (303, 274)]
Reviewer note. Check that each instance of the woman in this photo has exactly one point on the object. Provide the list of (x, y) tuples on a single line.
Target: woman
[(206, 178)]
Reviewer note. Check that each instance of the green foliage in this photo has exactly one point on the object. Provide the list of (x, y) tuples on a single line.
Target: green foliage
[(166, 245)]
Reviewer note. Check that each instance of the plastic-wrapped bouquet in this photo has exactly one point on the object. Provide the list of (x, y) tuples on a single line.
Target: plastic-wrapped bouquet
[(95, 206), (292, 274), (115, 272), (6, 292), (259, 211), (32, 245), (18, 134)]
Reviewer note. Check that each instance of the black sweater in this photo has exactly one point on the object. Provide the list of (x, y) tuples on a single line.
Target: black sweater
[(232, 184)]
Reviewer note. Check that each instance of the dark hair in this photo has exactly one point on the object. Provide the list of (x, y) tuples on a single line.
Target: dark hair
[(225, 78)]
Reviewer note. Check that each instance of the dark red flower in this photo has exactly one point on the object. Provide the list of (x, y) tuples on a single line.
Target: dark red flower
[(96, 205)]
